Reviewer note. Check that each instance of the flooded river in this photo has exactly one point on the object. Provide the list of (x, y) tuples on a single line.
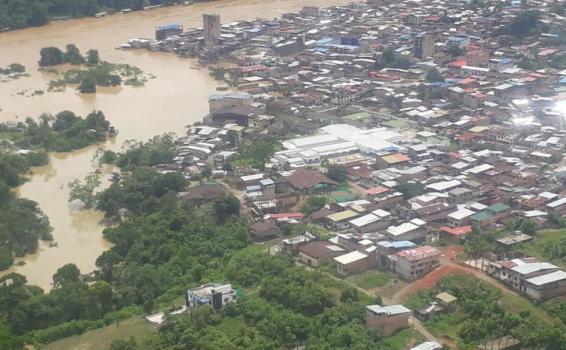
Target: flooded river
[(177, 97)]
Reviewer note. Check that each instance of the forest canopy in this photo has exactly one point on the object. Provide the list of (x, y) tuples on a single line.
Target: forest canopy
[(17, 14)]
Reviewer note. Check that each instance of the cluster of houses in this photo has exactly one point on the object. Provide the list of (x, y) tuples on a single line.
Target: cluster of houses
[(538, 281), (440, 123)]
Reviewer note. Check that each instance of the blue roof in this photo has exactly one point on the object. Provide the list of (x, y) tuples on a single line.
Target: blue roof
[(456, 38), (170, 26), (238, 95), (398, 244), (325, 41), (562, 80)]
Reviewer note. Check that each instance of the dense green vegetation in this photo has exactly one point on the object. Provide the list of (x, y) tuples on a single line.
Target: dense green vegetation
[(13, 68), (525, 24), (549, 245), (97, 73), (336, 172), (22, 224), (484, 314), (255, 153), (313, 204), (21, 221), (166, 246), (16, 14), (391, 59), (63, 132)]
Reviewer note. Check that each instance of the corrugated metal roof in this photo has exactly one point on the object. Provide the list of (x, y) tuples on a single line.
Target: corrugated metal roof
[(548, 278)]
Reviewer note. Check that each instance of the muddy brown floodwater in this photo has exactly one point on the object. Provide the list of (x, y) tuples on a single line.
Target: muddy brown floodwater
[(177, 97)]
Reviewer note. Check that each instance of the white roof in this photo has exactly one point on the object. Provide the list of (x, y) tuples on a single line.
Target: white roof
[(534, 213), (350, 257), (461, 214), (444, 185), (460, 165), (429, 345), (548, 278), (557, 203), (480, 168), (253, 177), (401, 229), (418, 222), (381, 213), (533, 267), (388, 310), (548, 195), (364, 220)]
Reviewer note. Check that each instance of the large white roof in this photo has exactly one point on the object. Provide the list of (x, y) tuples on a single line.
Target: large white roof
[(388, 310), (533, 267), (548, 278), (350, 257)]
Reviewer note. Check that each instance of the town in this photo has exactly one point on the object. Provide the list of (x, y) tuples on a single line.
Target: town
[(381, 174), (388, 138)]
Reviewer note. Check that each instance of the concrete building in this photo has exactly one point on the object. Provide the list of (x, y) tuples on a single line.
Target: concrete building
[(546, 287), (423, 45), (387, 319), (316, 253), (355, 262), (211, 29), (412, 264), (214, 294)]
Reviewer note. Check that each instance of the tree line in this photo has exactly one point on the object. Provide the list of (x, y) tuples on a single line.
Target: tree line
[(22, 223), (163, 245), (17, 14)]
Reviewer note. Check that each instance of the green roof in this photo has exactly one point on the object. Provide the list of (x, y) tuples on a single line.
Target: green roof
[(358, 116), (343, 215), (481, 216), (497, 208), (396, 124)]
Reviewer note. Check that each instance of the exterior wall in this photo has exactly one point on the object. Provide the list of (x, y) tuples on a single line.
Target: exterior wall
[(388, 202), (416, 234), (387, 324), (211, 27), (373, 227), (311, 261), (414, 270), (545, 292), (356, 267), (226, 102)]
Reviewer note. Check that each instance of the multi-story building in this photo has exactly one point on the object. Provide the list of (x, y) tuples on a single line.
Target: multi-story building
[(211, 29), (387, 319), (215, 294), (414, 263)]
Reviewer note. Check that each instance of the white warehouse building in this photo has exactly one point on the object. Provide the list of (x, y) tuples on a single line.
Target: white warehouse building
[(337, 141)]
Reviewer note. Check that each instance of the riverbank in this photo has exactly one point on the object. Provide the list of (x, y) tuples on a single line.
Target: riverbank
[(177, 97)]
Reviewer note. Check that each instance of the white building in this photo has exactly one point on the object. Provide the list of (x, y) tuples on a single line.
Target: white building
[(214, 294)]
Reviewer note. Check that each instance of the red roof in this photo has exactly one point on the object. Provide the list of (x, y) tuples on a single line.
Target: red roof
[(457, 64), (377, 190), (455, 155), (469, 136), (287, 216), (466, 81), (457, 231), (249, 69)]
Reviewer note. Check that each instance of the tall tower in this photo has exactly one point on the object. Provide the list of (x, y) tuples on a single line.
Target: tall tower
[(211, 27), (423, 46)]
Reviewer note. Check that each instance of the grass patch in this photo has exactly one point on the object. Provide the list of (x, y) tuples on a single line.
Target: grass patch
[(230, 326), (542, 240), (100, 339), (403, 340), (371, 279)]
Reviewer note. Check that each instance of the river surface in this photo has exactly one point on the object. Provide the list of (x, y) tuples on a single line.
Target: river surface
[(175, 98)]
